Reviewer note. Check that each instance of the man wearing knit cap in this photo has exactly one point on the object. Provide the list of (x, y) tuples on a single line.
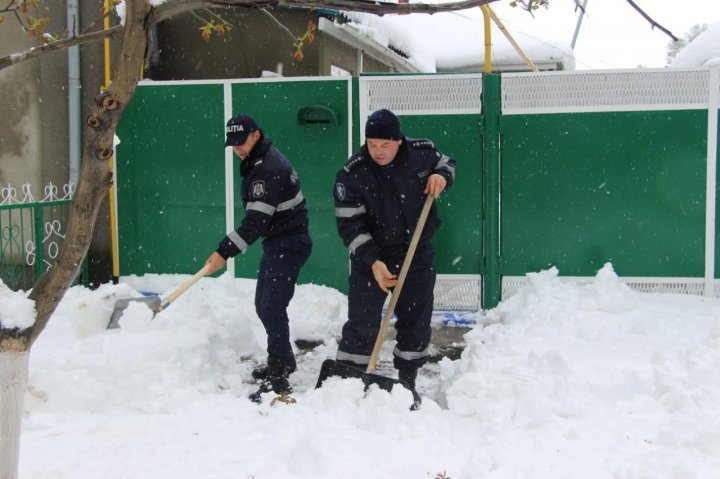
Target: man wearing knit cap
[(379, 195)]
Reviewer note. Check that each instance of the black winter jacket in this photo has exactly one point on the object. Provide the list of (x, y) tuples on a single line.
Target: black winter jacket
[(377, 207), (274, 204)]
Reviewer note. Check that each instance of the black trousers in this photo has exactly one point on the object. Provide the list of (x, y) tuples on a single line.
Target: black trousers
[(279, 268), (413, 311)]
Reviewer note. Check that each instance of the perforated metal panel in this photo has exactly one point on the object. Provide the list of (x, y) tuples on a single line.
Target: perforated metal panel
[(693, 286), (637, 90), (457, 292), (421, 94)]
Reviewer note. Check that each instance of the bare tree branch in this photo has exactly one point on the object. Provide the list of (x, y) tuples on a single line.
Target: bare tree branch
[(170, 9), (278, 23), (192, 12), (215, 15), (652, 22), (57, 46), (17, 17), (579, 7), (7, 8)]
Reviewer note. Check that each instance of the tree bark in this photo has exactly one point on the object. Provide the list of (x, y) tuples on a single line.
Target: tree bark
[(13, 381)]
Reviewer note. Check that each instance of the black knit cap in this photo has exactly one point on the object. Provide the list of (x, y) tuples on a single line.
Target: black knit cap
[(384, 125)]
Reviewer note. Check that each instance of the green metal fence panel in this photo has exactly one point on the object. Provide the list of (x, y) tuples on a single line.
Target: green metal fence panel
[(16, 224), (171, 171), (31, 234), (308, 122), (458, 243), (170, 178), (492, 284), (582, 189)]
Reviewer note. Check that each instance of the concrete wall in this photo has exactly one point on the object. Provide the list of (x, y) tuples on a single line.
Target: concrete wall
[(256, 43), (34, 115), (333, 52), (28, 135)]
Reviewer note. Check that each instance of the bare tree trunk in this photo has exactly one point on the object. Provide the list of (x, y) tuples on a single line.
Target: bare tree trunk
[(95, 172), (13, 381), (95, 177)]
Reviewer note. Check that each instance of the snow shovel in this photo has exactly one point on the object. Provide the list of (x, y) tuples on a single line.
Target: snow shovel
[(331, 367), (153, 302)]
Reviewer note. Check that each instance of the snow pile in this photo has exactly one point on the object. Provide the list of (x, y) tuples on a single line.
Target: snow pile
[(593, 378), (16, 310), (704, 50), (121, 9), (559, 380)]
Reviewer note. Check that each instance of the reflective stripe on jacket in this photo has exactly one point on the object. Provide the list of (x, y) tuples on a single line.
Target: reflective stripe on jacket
[(377, 207), (274, 204)]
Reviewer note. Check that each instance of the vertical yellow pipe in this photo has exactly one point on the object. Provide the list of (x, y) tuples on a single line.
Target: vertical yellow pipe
[(111, 190), (106, 44), (488, 43)]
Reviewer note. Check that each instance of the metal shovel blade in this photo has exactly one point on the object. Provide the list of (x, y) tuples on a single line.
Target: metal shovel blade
[(152, 302), (330, 367)]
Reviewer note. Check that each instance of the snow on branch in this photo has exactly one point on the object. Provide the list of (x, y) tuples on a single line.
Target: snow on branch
[(57, 46), (172, 8)]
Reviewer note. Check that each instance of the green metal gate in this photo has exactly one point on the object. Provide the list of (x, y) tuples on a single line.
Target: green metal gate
[(175, 178), (610, 167), (566, 169)]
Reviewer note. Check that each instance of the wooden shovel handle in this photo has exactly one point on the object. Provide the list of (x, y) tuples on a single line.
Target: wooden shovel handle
[(182, 288), (401, 280)]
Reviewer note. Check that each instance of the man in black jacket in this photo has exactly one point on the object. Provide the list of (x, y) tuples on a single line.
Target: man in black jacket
[(379, 195), (274, 210)]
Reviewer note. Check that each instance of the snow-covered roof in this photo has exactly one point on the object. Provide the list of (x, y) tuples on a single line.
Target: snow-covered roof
[(704, 50), (454, 41)]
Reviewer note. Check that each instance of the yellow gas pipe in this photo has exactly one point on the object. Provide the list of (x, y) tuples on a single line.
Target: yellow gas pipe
[(111, 190), (488, 43)]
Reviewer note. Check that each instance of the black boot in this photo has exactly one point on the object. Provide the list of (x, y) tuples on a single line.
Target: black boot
[(407, 376), (274, 377), (275, 366)]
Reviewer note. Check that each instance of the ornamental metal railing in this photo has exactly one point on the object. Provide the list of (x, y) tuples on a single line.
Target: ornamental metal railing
[(31, 233)]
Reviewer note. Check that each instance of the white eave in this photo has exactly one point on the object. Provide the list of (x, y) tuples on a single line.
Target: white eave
[(345, 33)]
